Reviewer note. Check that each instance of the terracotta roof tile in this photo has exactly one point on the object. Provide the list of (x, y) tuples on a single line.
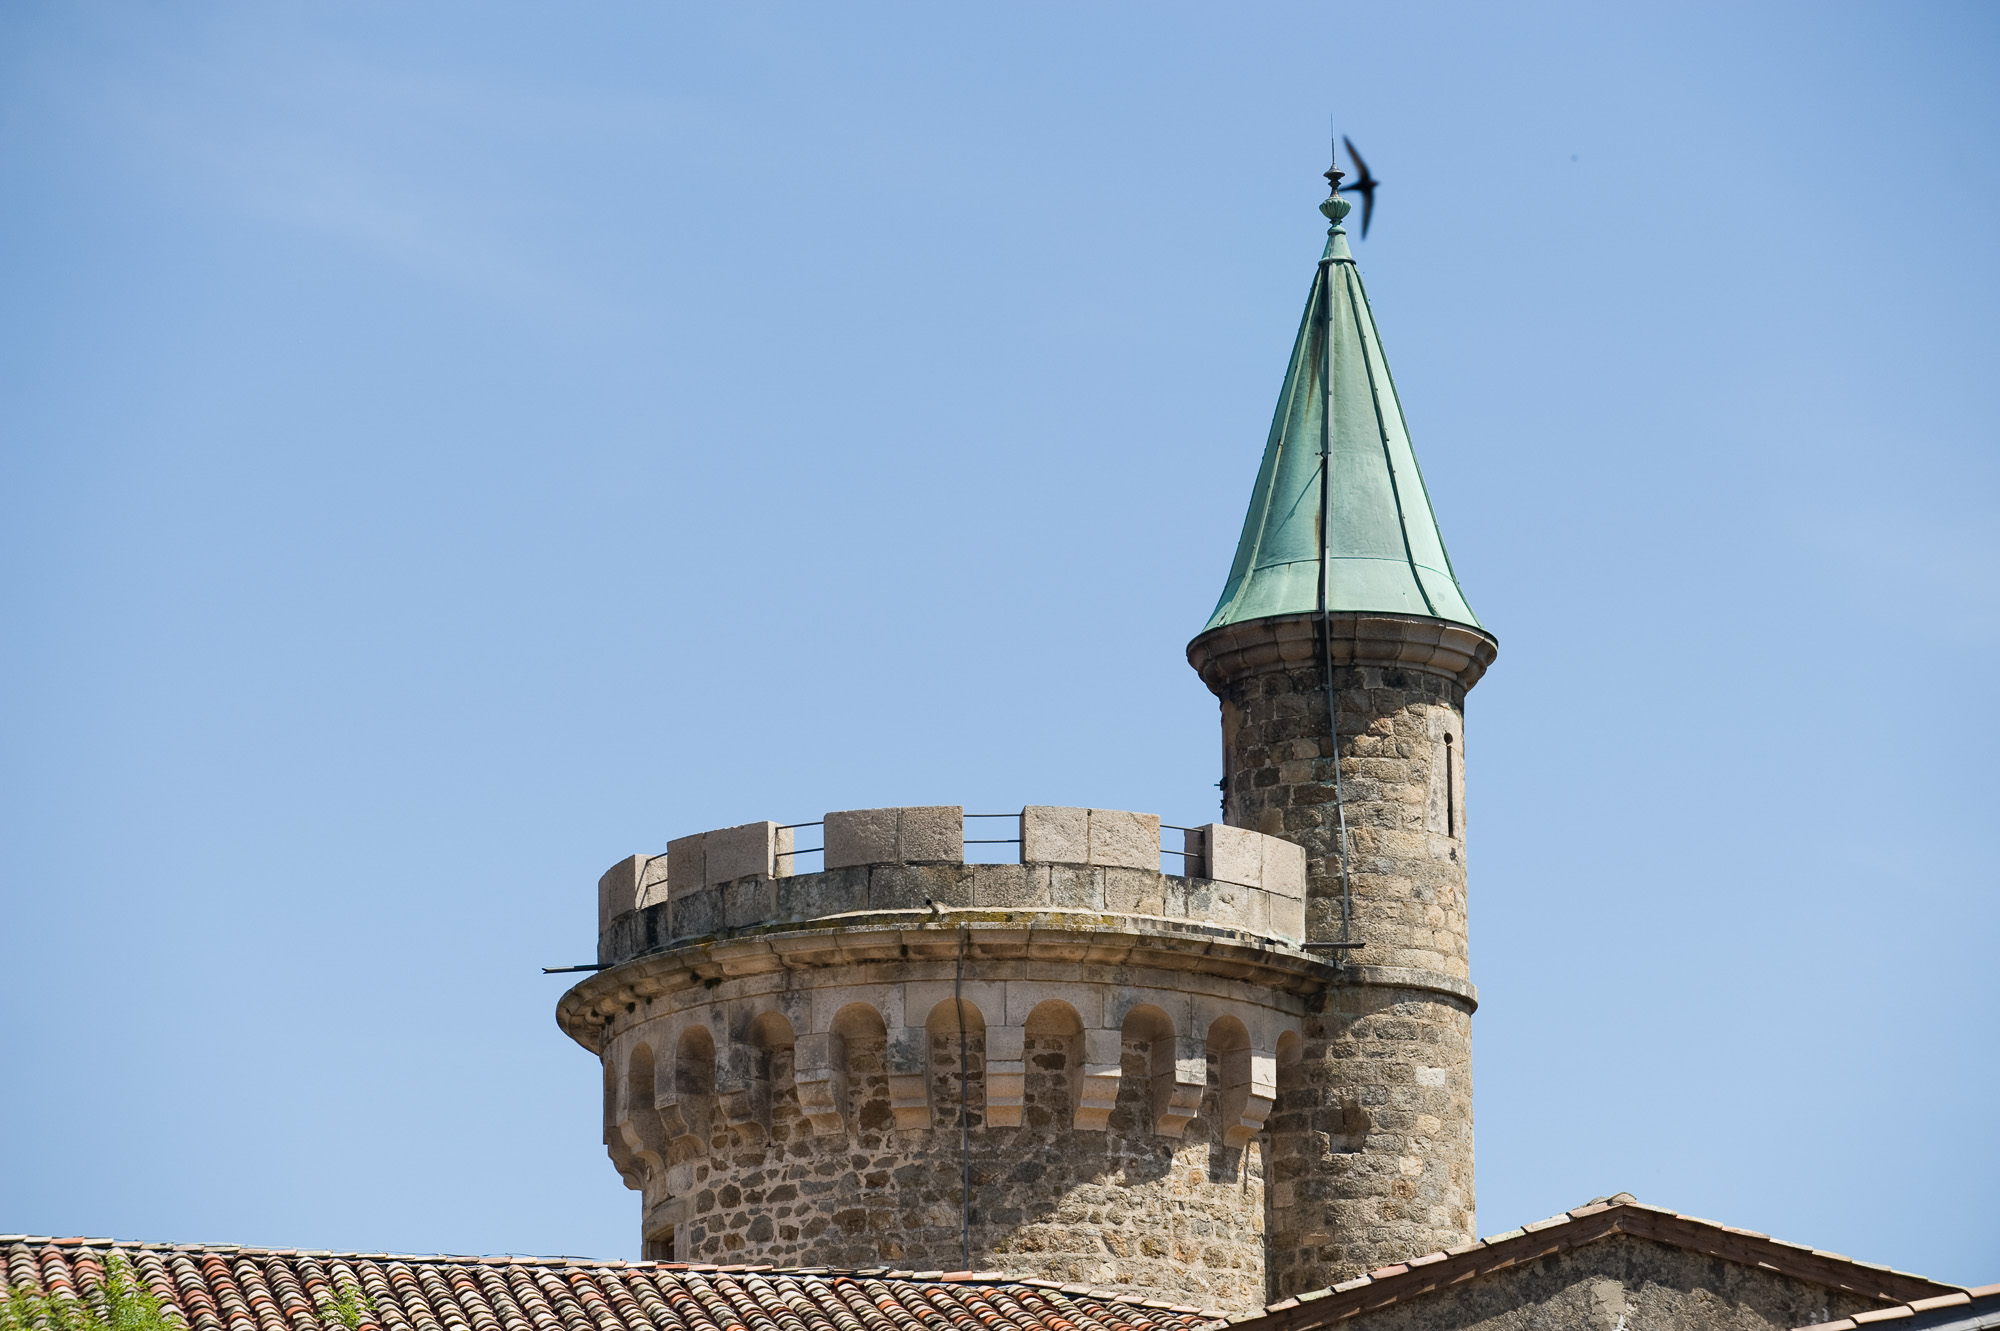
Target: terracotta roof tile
[(1602, 1217), (1980, 1308), (227, 1287)]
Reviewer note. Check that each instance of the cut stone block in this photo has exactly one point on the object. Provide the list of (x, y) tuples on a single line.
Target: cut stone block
[(738, 852), (652, 880), (686, 865), (930, 834), (1051, 835), (1284, 867), (1124, 840), (619, 887), (860, 836), (1287, 919), (933, 834), (820, 1076), (1236, 855)]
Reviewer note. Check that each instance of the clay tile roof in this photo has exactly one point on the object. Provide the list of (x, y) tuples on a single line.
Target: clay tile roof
[(1961, 1310), (217, 1287), (1601, 1218)]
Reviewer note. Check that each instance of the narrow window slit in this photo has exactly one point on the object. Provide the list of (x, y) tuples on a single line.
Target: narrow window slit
[(1450, 790)]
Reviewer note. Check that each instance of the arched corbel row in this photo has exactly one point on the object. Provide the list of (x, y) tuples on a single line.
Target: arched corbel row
[(1246, 1080), (639, 1123), (1176, 1070), (819, 1073), (706, 1083), (687, 1101), (630, 1170)]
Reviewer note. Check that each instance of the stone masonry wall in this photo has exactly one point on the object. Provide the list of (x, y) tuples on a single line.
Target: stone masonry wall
[(1621, 1282), (1371, 1134), (1182, 1218), (1405, 822), (1371, 1138)]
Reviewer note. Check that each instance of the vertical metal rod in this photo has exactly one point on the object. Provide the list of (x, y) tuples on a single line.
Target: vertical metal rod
[(1325, 597), (964, 1114)]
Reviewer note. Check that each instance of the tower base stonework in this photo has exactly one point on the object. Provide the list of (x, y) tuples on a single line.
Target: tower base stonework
[(810, 1069), (1371, 1138)]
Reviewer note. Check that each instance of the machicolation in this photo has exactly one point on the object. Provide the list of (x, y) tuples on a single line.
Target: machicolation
[(810, 1065)]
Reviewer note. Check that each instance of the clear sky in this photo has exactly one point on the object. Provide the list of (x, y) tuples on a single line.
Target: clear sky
[(450, 447)]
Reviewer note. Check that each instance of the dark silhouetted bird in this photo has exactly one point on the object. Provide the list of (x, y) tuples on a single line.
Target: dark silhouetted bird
[(1364, 185)]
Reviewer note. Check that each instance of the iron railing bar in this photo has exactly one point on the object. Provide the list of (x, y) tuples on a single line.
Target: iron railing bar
[(993, 841), (807, 851), (786, 827)]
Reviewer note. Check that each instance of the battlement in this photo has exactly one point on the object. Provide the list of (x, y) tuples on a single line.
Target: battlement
[(818, 1062), (884, 862)]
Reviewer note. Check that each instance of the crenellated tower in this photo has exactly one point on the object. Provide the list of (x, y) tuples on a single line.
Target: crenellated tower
[(1218, 1068), (1058, 1065), (1342, 650)]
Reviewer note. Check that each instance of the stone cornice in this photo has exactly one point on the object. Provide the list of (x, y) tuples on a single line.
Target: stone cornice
[(1406, 977), (1414, 642), (1079, 938)]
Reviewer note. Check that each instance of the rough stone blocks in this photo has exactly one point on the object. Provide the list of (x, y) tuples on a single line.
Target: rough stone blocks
[(633, 883), (926, 835), (1051, 835), (738, 852)]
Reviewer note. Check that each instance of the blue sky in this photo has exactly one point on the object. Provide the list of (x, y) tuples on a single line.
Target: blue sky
[(446, 449)]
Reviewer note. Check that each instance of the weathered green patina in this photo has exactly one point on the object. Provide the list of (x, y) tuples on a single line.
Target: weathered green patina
[(1383, 550)]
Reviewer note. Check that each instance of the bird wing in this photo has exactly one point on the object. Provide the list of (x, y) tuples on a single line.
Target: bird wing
[(1358, 161), (1367, 211)]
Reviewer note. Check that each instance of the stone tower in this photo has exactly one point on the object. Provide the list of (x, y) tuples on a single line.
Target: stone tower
[(1059, 1065), (1217, 1067), (1341, 592)]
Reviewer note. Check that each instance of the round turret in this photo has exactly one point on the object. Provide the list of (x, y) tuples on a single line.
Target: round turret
[(1060, 1066), (1341, 650), (1371, 1138)]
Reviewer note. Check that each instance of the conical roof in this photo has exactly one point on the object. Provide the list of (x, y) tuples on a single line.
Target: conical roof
[(1383, 550)]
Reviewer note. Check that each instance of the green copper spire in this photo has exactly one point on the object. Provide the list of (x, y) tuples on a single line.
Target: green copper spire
[(1383, 551)]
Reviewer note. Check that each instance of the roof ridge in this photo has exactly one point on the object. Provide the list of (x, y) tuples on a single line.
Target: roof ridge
[(1962, 1298), (1611, 1213)]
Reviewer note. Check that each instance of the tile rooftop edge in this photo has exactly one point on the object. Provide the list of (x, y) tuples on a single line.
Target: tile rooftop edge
[(1098, 1292), (1963, 1297), (1598, 1207)]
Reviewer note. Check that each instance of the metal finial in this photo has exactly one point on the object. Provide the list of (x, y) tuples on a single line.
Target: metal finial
[(1335, 207)]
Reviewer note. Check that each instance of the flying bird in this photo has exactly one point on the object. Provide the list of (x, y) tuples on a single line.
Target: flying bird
[(1364, 185)]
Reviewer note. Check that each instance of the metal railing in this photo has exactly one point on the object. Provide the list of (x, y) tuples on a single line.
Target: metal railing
[(1189, 859)]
